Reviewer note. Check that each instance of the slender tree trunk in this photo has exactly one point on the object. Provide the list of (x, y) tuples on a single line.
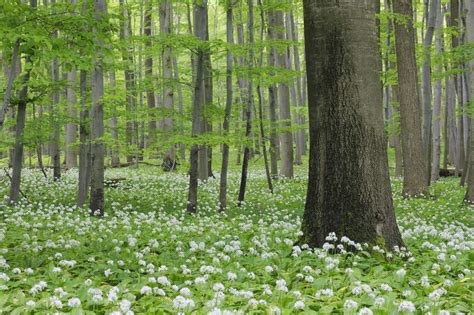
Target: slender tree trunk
[(17, 161), (84, 135), (228, 108), (273, 100), (284, 104), (129, 73), (426, 85), (414, 180), (115, 156), (150, 95), (451, 122), (169, 160), (248, 128), (437, 98), (469, 13), (71, 127), (200, 25), (54, 144), (97, 121), (301, 138), (261, 101), (349, 185)]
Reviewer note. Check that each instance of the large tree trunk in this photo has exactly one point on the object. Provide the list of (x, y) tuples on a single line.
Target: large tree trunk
[(469, 197), (228, 108), (437, 98), (97, 122), (200, 26), (426, 85), (414, 180), (286, 137), (349, 185), (169, 159), (248, 127)]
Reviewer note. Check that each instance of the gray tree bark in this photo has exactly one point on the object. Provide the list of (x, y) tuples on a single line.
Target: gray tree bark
[(200, 26), (70, 151), (115, 152), (437, 98), (414, 180), (169, 159), (84, 135), (248, 113), (150, 95), (286, 137), (469, 197), (97, 121), (273, 100), (228, 107), (426, 85), (349, 185)]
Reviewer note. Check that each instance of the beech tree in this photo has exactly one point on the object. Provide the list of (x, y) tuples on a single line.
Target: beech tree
[(415, 174), (348, 186), (97, 120)]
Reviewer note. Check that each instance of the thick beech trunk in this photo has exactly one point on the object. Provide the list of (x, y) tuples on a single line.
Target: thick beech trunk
[(349, 185)]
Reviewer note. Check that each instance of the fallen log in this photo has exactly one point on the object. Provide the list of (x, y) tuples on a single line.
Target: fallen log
[(449, 172)]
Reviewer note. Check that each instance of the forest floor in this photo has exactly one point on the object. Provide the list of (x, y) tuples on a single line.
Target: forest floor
[(147, 256)]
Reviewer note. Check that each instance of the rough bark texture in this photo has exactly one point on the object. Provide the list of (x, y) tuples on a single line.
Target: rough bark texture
[(97, 124), (414, 180), (349, 184), (469, 197), (286, 137), (228, 107)]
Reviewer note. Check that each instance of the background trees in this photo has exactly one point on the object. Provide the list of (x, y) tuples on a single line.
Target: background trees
[(150, 57)]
